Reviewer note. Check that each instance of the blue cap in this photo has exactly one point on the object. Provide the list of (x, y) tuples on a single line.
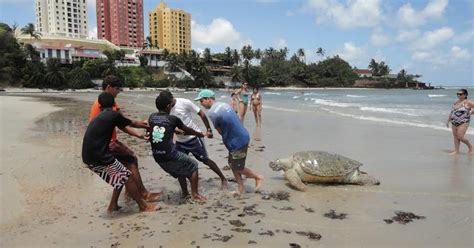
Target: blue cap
[(204, 94)]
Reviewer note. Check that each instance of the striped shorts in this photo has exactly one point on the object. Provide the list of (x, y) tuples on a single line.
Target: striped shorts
[(115, 174)]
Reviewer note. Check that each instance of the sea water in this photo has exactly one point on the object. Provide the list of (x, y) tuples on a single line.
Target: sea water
[(405, 107)]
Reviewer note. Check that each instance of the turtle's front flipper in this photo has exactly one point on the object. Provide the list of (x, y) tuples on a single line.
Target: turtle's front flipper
[(295, 180)]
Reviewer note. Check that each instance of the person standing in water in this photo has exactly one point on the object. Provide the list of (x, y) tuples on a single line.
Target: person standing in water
[(243, 96), (459, 117), (256, 101)]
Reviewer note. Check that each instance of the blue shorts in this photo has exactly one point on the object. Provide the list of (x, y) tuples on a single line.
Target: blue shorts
[(194, 146), (181, 166)]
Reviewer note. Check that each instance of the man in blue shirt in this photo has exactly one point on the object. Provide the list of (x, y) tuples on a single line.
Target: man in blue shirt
[(234, 135)]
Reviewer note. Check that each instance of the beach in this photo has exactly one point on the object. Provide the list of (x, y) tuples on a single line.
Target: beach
[(49, 199)]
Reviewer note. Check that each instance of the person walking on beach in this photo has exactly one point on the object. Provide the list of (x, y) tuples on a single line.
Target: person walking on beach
[(125, 155), (183, 109), (97, 156), (234, 102), (459, 117), (256, 101), (234, 136), (243, 96), (174, 162)]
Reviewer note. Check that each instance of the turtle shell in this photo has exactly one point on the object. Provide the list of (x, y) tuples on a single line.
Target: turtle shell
[(325, 164)]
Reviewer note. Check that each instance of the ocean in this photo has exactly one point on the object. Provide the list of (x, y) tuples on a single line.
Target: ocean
[(405, 107)]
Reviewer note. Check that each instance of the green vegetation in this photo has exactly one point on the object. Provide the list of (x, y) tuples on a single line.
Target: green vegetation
[(21, 65)]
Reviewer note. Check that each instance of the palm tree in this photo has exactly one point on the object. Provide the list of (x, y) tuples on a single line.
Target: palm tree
[(236, 74), (301, 54), (207, 55), (30, 29), (54, 77), (228, 56), (374, 67), (235, 57), (31, 52), (283, 53), (320, 51), (147, 43)]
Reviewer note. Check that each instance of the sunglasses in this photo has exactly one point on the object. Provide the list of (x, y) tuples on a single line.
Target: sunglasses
[(459, 94)]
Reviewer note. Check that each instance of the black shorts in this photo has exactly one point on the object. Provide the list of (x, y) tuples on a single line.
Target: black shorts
[(182, 166), (237, 158), (194, 146)]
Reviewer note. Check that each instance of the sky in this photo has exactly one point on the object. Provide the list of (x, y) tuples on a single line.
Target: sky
[(432, 38)]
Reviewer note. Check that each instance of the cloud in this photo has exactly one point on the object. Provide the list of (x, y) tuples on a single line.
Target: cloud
[(407, 35), (351, 14), (432, 39), (379, 39), (466, 37), (219, 32), (352, 53), (280, 43), (455, 55), (92, 33), (409, 17)]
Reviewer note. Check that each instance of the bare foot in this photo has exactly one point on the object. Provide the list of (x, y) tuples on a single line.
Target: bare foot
[(151, 207), (111, 210), (199, 198), (152, 197), (258, 183), (224, 184), (454, 153)]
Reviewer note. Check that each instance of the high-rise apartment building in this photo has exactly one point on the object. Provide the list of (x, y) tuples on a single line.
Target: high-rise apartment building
[(170, 28), (61, 17), (120, 22)]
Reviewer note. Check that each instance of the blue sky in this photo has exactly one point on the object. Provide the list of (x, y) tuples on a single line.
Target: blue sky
[(433, 38)]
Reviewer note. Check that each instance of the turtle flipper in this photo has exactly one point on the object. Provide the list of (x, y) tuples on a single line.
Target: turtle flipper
[(295, 180), (362, 178)]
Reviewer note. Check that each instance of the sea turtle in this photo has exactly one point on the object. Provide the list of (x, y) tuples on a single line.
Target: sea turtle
[(321, 167)]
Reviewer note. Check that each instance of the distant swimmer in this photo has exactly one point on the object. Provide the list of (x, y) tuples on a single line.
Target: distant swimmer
[(459, 117), (256, 101), (243, 96)]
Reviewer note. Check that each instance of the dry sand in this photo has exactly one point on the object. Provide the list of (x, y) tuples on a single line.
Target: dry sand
[(50, 200)]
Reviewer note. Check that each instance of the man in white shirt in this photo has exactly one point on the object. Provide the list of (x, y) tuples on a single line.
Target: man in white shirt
[(184, 109)]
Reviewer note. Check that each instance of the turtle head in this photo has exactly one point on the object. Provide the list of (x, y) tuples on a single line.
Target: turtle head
[(280, 164)]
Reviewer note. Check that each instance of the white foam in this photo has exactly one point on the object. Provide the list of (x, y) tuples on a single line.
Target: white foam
[(332, 103), (223, 96), (388, 110), (272, 93), (314, 94), (281, 109), (355, 96), (296, 97), (433, 95), (397, 122)]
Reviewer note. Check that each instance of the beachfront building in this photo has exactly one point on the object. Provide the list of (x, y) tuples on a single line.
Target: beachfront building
[(66, 18), (363, 72), (170, 28), (67, 49), (120, 22)]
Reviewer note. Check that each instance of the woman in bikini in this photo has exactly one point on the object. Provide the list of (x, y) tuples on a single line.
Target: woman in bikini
[(256, 101), (243, 96), (459, 117)]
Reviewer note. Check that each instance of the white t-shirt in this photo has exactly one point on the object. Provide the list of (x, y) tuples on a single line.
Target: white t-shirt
[(184, 110)]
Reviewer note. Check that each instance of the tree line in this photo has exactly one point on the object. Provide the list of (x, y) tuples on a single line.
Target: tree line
[(21, 65)]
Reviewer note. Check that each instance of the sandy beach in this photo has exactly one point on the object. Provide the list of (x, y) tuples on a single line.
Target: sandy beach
[(49, 199)]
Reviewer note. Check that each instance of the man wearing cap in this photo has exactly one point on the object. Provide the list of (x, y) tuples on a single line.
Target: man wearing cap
[(234, 135), (183, 109)]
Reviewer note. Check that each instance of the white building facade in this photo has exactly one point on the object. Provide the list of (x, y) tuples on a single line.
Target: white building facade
[(62, 17)]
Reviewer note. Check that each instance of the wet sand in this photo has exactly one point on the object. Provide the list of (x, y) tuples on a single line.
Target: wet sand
[(49, 199)]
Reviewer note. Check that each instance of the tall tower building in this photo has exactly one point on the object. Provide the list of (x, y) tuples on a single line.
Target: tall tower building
[(61, 17), (120, 22), (170, 28)]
